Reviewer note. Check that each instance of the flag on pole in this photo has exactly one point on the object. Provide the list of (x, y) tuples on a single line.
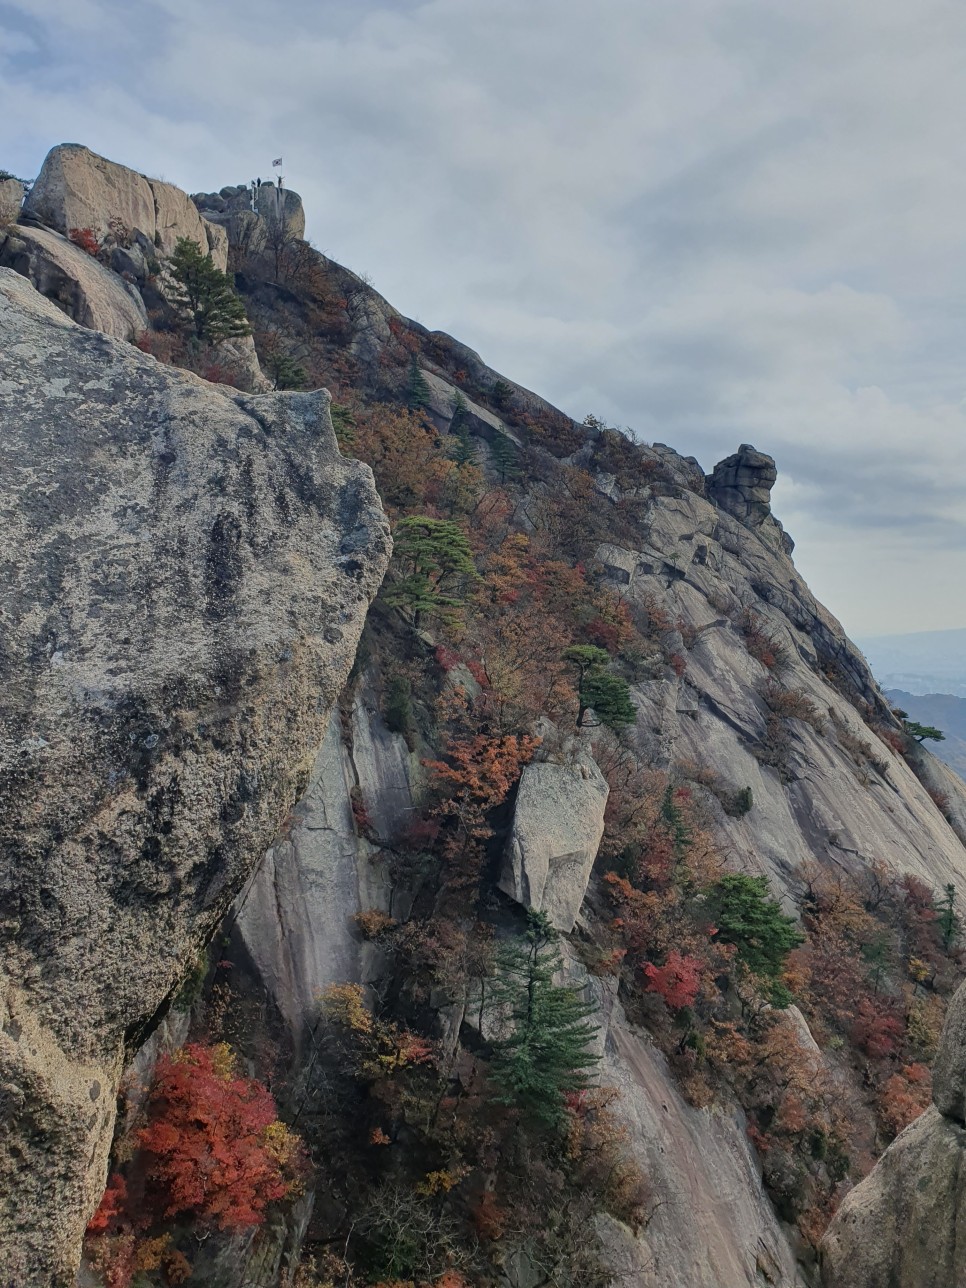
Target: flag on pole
[(277, 162)]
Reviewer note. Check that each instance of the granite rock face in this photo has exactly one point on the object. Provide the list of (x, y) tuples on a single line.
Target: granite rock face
[(11, 198), (905, 1225), (76, 188), (741, 484), (557, 825), (86, 291), (186, 571)]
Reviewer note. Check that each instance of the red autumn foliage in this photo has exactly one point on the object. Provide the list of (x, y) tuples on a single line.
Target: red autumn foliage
[(86, 239), (877, 1030), (677, 981), (111, 1210), (208, 1146), (905, 1096)]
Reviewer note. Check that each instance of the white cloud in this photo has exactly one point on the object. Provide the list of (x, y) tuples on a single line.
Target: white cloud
[(716, 221)]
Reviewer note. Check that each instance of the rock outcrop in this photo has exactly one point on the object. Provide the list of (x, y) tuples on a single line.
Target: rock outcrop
[(11, 199), (76, 188), (904, 1226), (231, 208), (742, 484), (186, 571), (557, 825), (86, 291)]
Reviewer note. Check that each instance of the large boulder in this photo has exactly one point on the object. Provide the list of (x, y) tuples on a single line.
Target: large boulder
[(557, 825), (904, 1226), (11, 199), (76, 188), (86, 291), (186, 572)]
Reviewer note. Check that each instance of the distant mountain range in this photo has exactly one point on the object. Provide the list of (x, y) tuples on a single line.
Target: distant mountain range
[(942, 711), (929, 663)]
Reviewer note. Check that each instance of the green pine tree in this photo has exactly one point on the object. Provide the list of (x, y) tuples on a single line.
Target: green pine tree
[(544, 1056), (599, 689), (284, 371), (506, 458), (417, 390), (747, 917), (921, 732), (436, 563), (947, 920), (206, 297), (462, 448)]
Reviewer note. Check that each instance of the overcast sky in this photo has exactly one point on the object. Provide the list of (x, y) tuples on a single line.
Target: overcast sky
[(713, 221)]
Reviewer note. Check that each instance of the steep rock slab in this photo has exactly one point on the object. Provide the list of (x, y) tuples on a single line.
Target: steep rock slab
[(712, 1225), (296, 918), (185, 575), (76, 188), (557, 825), (86, 291), (905, 1225)]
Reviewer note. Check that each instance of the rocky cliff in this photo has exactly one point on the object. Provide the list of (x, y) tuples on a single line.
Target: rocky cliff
[(186, 575), (191, 568), (903, 1226)]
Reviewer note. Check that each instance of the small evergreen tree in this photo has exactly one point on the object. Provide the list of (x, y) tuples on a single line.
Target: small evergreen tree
[(437, 564), (500, 394), (462, 449), (921, 732), (746, 917), (544, 1057), (207, 299), (505, 457), (947, 920), (282, 368), (600, 690), (417, 390)]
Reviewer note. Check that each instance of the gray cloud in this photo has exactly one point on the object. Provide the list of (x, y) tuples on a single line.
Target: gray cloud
[(715, 221)]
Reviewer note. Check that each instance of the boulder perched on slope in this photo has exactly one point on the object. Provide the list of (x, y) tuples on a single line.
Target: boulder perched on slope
[(557, 826), (186, 572), (905, 1225)]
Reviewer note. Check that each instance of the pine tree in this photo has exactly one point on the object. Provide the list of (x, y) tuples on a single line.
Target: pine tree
[(505, 457), (462, 449), (947, 920), (600, 689), (544, 1058), (437, 564), (207, 298), (745, 916), (417, 390)]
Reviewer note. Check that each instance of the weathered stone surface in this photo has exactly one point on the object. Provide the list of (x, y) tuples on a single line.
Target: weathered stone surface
[(76, 188), (11, 198), (949, 1073), (831, 803), (712, 1225), (295, 918), (185, 575), (86, 291), (742, 484), (557, 825), (904, 1226), (230, 212)]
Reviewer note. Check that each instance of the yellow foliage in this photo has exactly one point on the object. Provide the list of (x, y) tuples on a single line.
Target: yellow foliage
[(344, 1004), (441, 1182)]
